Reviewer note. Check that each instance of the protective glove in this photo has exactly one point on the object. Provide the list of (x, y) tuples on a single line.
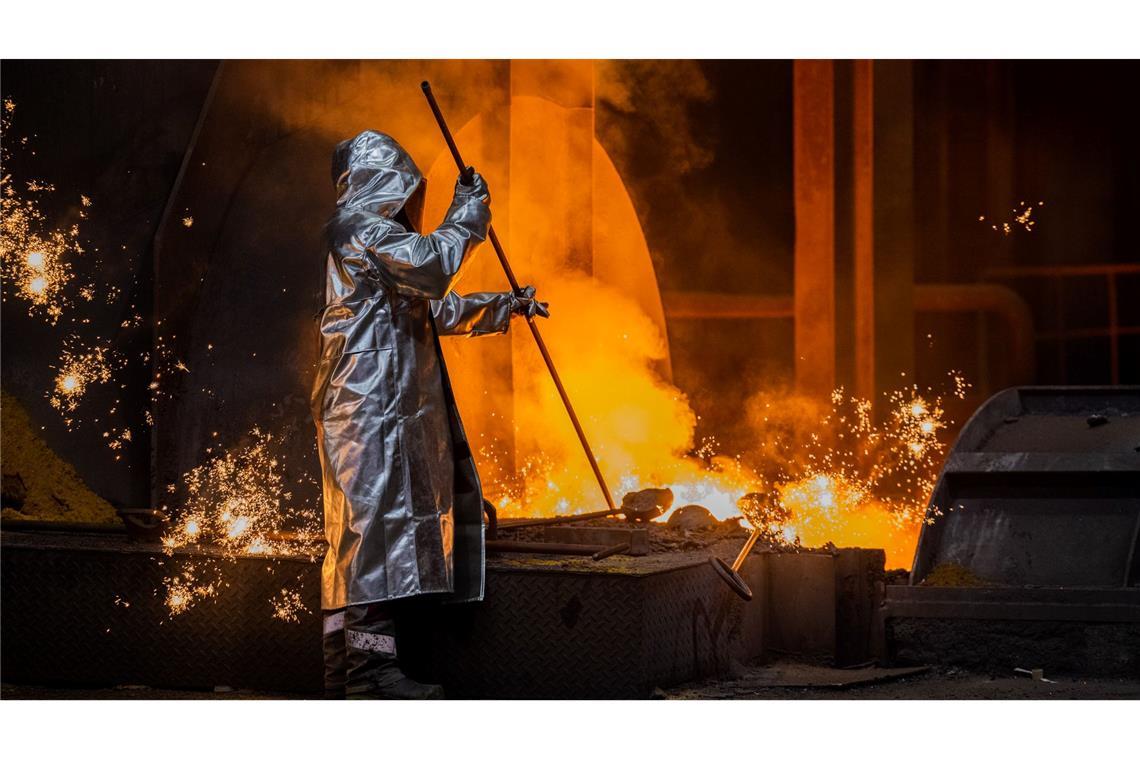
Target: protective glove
[(524, 304), (477, 188)]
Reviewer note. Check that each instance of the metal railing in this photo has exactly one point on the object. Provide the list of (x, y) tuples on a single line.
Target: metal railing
[(997, 301), (1063, 334)]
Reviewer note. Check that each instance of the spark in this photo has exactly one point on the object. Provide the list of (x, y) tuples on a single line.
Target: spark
[(288, 605), (78, 369), (1021, 215), (237, 503), (36, 257), (186, 589)]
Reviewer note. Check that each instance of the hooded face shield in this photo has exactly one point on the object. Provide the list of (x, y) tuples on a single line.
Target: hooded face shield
[(372, 172), (411, 215)]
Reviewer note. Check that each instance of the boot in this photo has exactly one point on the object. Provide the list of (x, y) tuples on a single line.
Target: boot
[(373, 670), (336, 654)]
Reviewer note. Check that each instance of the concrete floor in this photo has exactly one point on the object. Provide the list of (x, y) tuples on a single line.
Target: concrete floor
[(803, 681), (785, 680)]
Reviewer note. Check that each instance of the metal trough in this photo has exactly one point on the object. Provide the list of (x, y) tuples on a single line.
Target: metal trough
[(1030, 554)]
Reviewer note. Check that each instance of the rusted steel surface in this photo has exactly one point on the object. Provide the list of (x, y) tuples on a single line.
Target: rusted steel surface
[(611, 551)]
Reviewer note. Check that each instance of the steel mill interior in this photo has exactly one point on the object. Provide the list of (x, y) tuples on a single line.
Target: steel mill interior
[(838, 396)]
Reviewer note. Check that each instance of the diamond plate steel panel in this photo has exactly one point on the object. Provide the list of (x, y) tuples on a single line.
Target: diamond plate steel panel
[(547, 629)]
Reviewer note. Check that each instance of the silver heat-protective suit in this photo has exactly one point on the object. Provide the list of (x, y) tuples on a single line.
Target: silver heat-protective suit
[(402, 501)]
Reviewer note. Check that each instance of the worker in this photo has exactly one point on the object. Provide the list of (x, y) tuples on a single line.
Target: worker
[(403, 508)]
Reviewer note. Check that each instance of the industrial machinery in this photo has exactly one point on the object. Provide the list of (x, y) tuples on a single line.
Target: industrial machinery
[(1030, 548)]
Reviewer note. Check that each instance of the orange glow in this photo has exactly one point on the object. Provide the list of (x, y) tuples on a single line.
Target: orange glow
[(574, 235), (828, 508)]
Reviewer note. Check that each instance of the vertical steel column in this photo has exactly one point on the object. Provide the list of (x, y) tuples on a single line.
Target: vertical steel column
[(814, 171), (863, 134), (894, 223)]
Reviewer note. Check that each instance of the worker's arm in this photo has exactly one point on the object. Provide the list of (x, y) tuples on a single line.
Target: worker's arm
[(483, 313), (427, 266)]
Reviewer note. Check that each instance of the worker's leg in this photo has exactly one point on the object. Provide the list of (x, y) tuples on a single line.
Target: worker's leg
[(335, 653), (373, 668)]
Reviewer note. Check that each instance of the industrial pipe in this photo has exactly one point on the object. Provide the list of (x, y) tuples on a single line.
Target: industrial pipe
[(998, 300)]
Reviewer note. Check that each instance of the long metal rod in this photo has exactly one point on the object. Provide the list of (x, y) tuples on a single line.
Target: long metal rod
[(518, 290), (530, 522)]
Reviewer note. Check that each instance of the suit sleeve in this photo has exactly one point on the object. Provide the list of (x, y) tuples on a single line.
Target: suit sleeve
[(473, 314), (427, 266)]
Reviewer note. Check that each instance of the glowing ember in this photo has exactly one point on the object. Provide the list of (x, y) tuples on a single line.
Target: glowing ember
[(1022, 215), (78, 369), (185, 590), (288, 606)]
